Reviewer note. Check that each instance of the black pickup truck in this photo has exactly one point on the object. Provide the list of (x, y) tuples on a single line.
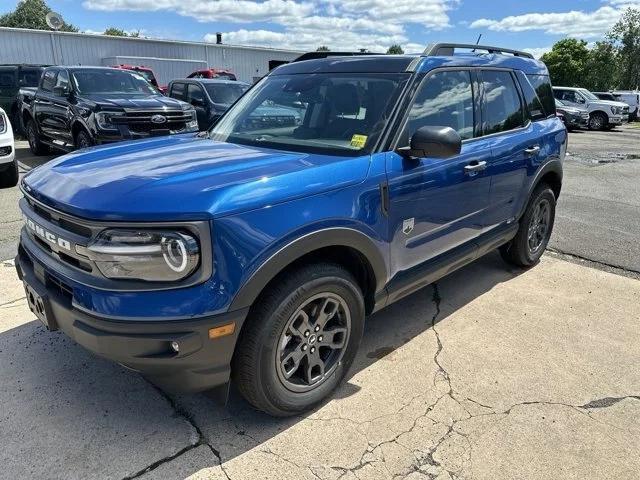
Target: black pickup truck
[(76, 107), (12, 79)]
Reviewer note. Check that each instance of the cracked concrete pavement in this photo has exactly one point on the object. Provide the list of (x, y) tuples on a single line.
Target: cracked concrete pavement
[(491, 373)]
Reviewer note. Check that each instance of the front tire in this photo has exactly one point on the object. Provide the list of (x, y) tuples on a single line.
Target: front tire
[(299, 340), (35, 145), (10, 175), (535, 229), (83, 140), (598, 121)]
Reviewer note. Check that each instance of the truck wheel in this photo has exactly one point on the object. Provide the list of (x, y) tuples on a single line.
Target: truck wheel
[(535, 229), (36, 146), (83, 140), (598, 121), (300, 340), (9, 176)]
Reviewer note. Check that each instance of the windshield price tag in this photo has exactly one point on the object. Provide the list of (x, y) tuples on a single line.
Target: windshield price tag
[(358, 141)]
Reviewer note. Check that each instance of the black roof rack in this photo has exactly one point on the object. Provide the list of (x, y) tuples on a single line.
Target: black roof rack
[(316, 55), (448, 49)]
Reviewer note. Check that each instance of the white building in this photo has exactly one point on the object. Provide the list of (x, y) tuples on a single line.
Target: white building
[(169, 59)]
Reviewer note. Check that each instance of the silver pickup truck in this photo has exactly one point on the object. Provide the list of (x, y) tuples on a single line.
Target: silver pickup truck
[(603, 114)]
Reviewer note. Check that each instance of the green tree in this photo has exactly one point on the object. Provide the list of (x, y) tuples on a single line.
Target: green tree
[(567, 61), (395, 50), (601, 69), (323, 48), (31, 14), (626, 37), (118, 32)]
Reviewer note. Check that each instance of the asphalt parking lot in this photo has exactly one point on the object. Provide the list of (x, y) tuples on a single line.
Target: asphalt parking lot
[(492, 373)]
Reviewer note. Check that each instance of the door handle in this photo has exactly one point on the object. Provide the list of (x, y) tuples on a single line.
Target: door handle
[(532, 150), (475, 167)]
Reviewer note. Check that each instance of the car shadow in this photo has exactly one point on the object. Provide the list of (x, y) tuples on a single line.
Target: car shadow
[(55, 392)]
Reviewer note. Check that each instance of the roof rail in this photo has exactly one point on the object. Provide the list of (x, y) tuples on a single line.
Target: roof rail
[(448, 49), (325, 54)]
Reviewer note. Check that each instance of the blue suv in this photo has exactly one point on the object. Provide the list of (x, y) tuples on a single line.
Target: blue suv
[(253, 252)]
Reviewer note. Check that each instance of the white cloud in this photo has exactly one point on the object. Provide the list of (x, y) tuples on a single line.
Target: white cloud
[(237, 11), (537, 52), (575, 23), (306, 24)]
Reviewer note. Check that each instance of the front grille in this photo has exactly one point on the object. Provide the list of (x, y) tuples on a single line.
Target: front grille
[(141, 121)]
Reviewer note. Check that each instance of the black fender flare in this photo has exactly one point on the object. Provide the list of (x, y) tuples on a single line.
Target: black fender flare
[(552, 166), (329, 237)]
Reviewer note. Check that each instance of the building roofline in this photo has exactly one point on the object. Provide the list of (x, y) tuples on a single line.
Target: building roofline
[(141, 39)]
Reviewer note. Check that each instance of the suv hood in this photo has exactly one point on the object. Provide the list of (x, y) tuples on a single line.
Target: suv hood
[(115, 101), (183, 177), (610, 103)]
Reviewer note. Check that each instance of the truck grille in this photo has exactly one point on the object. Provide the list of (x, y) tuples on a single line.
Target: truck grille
[(141, 121)]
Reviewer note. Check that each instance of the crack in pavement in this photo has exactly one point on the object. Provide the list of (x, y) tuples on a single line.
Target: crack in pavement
[(201, 441), (11, 302)]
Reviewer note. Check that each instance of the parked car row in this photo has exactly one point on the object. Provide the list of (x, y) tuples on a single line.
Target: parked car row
[(600, 112)]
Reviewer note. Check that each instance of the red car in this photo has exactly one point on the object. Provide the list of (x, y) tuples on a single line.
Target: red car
[(146, 73), (213, 73)]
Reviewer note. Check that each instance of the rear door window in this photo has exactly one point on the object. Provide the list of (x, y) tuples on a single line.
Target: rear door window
[(503, 109), (445, 99), (534, 106)]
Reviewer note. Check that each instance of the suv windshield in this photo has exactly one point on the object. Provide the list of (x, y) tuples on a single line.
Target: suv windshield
[(224, 92), (112, 82), (588, 94), (338, 113)]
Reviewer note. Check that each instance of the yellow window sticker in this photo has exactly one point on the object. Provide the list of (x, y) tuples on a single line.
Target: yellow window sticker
[(358, 141)]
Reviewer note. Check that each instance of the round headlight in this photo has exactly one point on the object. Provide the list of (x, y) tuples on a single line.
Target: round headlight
[(151, 255)]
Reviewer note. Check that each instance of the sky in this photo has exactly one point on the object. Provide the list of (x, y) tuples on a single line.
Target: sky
[(350, 24)]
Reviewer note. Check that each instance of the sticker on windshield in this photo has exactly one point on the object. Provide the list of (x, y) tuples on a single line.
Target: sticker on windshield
[(358, 141)]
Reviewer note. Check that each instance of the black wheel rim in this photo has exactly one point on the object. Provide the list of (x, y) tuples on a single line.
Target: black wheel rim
[(539, 226), (596, 122), (313, 342)]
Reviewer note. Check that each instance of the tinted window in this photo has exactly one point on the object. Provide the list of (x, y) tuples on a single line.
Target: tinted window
[(63, 79), (534, 106), (112, 81), (48, 80), (177, 91), (503, 108), (224, 92), (29, 77), (195, 92), (542, 86), (7, 77), (445, 99)]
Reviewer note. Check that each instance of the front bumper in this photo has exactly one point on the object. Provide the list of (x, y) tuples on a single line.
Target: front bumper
[(615, 119), (142, 346), (576, 121)]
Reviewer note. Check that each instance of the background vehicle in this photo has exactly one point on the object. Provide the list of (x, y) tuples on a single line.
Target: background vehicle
[(255, 252), (605, 96), (146, 73), (573, 117), (12, 79), (210, 97), (8, 163), (603, 114), (76, 107), (631, 98), (213, 73)]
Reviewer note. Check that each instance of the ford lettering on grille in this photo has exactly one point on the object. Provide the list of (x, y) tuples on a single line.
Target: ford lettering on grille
[(46, 235)]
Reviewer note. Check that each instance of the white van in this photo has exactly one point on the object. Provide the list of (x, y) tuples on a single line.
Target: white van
[(631, 98)]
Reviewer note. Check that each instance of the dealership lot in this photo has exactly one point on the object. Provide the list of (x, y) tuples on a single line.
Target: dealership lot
[(492, 373)]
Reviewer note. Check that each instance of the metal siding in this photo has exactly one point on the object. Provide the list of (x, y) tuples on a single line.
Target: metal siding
[(35, 46)]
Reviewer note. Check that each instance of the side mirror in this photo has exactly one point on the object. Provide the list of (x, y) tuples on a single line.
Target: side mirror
[(61, 91), (435, 142)]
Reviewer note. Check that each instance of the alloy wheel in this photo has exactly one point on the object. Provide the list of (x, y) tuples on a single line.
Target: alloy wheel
[(313, 342), (539, 226)]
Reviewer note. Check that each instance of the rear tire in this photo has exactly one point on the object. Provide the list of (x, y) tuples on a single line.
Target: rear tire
[(299, 340), (35, 145), (10, 175), (535, 229)]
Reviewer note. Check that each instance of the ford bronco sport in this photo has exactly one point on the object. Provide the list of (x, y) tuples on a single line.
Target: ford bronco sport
[(253, 253)]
